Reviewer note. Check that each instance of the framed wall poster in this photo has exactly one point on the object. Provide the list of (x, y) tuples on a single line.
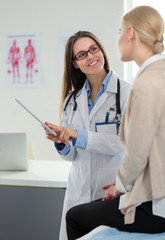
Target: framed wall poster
[(22, 60)]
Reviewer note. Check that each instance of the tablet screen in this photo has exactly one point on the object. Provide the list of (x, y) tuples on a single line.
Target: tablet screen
[(43, 124)]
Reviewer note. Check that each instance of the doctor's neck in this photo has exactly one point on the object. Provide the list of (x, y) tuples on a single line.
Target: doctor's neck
[(96, 80)]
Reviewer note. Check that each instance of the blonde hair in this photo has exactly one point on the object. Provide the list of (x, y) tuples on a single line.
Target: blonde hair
[(148, 25)]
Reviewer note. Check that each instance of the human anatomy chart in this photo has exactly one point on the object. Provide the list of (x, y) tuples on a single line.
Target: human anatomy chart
[(22, 58)]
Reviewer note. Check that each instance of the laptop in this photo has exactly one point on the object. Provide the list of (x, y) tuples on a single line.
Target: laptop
[(13, 151)]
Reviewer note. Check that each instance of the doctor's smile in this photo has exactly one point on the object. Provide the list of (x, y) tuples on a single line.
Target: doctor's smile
[(93, 64)]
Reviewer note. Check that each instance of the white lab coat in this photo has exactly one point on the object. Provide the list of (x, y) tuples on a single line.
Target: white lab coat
[(97, 165)]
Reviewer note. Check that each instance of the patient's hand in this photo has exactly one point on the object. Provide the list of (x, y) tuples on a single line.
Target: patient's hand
[(111, 192)]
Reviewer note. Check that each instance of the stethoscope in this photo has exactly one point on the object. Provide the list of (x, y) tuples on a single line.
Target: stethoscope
[(118, 110), (117, 117), (74, 97)]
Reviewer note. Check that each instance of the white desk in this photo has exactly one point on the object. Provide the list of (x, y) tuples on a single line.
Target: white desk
[(31, 201), (41, 173)]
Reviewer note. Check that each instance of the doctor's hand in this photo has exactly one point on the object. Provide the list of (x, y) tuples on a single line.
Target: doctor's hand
[(111, 192), (64, 134)]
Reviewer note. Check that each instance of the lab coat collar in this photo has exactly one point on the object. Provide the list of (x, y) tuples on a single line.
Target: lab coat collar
[(111, 87), (82, 101)]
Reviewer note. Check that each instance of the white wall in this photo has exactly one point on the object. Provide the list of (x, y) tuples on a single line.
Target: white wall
[(131, 68), (51, 18)]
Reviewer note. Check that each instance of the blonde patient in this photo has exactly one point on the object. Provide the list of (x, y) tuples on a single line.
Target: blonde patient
[(135, 202)]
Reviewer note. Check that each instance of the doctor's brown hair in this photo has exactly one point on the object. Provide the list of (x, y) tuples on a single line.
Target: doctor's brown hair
[(148, 25), (74, 78)]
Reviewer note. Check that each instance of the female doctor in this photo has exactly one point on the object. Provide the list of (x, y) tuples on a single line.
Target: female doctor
[(93, 100)]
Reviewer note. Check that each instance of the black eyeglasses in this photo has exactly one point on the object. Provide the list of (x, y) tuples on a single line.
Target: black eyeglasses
[(83, 54)]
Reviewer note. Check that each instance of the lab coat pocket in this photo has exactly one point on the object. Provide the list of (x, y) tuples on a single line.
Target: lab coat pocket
[(110, 127), (74, 183), (105, 176)]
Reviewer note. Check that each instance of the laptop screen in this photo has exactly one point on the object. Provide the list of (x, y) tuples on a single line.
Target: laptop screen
[(13, 151)]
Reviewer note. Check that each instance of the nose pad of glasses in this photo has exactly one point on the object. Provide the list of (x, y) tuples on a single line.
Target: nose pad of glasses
[(89, 55)]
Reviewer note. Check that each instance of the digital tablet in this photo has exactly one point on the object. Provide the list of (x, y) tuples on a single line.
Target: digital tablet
[(43, 124)]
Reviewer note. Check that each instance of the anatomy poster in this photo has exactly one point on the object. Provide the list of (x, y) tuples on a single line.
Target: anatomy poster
[(22, 60)]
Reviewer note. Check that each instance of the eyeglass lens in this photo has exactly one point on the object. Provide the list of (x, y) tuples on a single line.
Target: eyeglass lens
[(83, 54)]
